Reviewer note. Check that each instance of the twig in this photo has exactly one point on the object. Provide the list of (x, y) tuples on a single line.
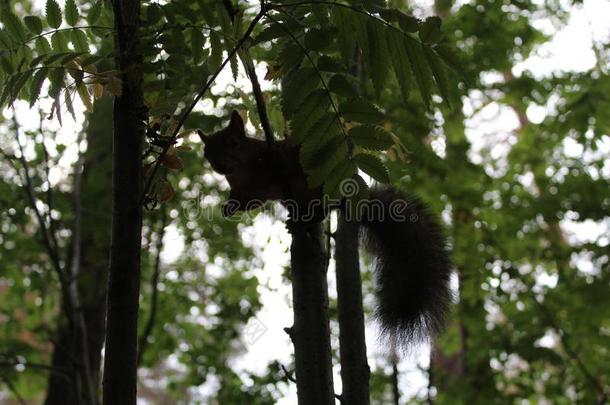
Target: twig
[(13, 390), (143, 341)]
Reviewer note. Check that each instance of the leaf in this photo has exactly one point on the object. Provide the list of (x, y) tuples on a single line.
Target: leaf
[(309, 112), (420, 67), (373, 166), (94, 12), (154, 13), (360, 110), (341, 85), (371, 137), (439, 71), (325, 129), (53, 13), (407, 22), (20, 81), (79, 40), (172, 162), (36, 84), (69, 104), (59, 41), (215, 59), (42, 45), (290, 56), (85, 97), (13, 25), (317, 39), (167, 192), (400, 63), (6, 42), (342, 19), (430, 31), (327, 158), (6, 64), (378, 56), (56, 77), (197, 43), (328, 64), (344, 170), (270, 33), (451, 58), (71, 12), (300, 84), (33, 23)]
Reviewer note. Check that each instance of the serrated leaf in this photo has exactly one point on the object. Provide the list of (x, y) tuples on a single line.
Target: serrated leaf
[(6, 64), (59, 41), (439, 71), (309, 112), (430, 31), (234, 67), (420, 67), (69, 104), (56, 77), (326, 159), (94, 12), (79, 40), (215, 59), (270, 33), (317, 39), (344, 170), (371, 137), (300, 84), (13, 25), (71, 12), (36, 84), (42, 45), (322, 132), (6, 42), (451, 58), (342, 19), (400, 62), (197, 43), (341, 85), (360, 110), (53, 14), (85, 97), (373, 166), (379, 55), (290, 56), (20, 81), (33, 23)]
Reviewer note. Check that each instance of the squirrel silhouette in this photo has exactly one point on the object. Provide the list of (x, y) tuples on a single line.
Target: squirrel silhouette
[(411, 263)]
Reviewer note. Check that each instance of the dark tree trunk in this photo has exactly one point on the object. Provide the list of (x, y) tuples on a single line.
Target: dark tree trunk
[(311, 331), (95, 247), (120, 370), (354, 367)]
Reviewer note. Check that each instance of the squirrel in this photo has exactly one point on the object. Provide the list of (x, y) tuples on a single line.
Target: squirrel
[(412, 265)]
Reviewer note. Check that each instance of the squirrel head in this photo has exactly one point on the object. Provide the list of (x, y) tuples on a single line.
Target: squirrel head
[(221, 148)]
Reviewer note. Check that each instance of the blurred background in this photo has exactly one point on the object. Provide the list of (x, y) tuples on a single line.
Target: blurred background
[(518, 169)]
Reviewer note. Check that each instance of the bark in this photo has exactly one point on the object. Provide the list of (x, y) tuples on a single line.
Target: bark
[(310, 332), (120, 369), (354, 367)]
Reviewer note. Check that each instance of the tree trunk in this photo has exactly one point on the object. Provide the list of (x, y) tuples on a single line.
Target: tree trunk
[(311, 331), (120, 370), (95, 246), (354, 367)]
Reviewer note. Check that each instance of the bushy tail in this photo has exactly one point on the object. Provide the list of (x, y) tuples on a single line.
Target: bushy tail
[(412, 266)]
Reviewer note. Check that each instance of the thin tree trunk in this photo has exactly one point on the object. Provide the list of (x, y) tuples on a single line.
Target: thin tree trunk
[(120, 369), (311, 331), (354, 367)]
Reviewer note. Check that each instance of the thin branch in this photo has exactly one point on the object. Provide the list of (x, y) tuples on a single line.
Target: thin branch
[(47, 167), (143, 341), (13, 390), (198, 97)]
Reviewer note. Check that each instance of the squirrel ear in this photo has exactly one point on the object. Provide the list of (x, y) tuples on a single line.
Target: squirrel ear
[(237, 123)]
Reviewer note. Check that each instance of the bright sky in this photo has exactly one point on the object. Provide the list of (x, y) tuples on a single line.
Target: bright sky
[(570, 49)]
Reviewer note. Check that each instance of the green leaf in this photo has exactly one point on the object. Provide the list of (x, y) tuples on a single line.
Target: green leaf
[(6, 64), (408, 23), (197, 43), (325, 129), (371, 137), (360, 110), (20, 81), (215, 59), (439, 71), (326, 159), (79, 40), (317, 39), (60, 41), (42, 45), (341, 85), (373, 166), (13, 25), (451, 58), (53, 13), (154, 13), (300, 84), (309, 112), (56, 77), (33, 23), (6, 42), (420, 67), (37, 60), (290, 56), (344, 170), (379, 56), (328, 64), (430, 31), (400, 63), (71, 12), (95, 12), (36, 84), (270, 33), (342, 19)]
